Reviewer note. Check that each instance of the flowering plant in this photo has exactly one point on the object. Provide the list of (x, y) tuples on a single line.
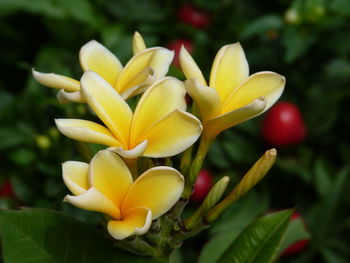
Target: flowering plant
[(154, 146)]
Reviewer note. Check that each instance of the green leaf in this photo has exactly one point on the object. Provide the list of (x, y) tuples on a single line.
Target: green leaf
[(262, 25), (44, 236), (22, 156), (259, 242), (44, 7), (231, 224), (323, 180), (10, 137), (327, 208), (296, 42), (296, 231), (81, 10)]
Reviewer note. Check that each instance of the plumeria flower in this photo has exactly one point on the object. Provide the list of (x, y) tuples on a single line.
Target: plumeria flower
[(232, 96), (106, 185), (144, 68), (159, 126)]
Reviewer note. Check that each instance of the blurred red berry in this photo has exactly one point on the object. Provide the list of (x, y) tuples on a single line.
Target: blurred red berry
[(6, 189), (193, 16), (283, 125), (202, 186), (298, 246), (176, 46)]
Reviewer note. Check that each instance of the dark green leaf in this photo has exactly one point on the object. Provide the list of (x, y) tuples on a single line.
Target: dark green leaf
[(22, 156), (262, 25), (259, 242), (44, 236), (296, 42), (44, 7), (296, 231), (228, 227), (10, 137)]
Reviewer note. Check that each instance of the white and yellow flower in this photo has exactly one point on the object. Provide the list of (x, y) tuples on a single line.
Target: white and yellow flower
[(106, 185), (159, 126), (232, 96), (144, 68)]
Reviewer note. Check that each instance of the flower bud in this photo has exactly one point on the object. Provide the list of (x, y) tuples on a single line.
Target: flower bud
[(137, 43), (250, 179)]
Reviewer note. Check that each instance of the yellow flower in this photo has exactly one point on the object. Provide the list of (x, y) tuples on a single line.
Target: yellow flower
[(232, 96), (159, 126), (144, 68), (106, 186)]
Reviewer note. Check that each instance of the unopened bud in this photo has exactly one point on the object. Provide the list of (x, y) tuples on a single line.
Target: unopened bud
[(137, 43), (209, 202), (250, 179), (215, 193)]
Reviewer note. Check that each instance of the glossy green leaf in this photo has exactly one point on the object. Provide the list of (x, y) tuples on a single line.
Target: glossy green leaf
[(259, 242), (296, 231), (44, 236), (230, 224)]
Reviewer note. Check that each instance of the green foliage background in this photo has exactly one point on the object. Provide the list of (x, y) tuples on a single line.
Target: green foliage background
[(307, 41)]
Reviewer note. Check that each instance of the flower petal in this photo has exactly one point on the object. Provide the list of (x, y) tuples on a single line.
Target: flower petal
[(139, 83), (65, 97), (108, 105), (189, 67), (232, 118), (160, 99), (206, 98), (86, 131), (157, 58), (265, 84), (171, 135), (138, 44), (93, 200), (130, 154), (158, 189), (135, 221), (94, 56), (230, 68), (110, 176), (56, 81), (75, 176)]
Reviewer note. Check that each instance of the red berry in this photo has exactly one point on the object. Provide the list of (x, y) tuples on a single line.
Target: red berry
[(298, 246), (176, 46), (6, 189), (193, 16), (202, 186), (283, 125)]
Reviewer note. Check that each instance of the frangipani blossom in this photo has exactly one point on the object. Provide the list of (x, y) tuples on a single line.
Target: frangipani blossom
[(159, 127), (232, 96), (106, 185), (144, 68)]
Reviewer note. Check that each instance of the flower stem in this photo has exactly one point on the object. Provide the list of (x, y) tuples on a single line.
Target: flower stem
[(186, 161), (196, 166)]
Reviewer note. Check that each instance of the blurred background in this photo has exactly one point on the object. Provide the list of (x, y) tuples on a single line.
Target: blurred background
[(307, 41)]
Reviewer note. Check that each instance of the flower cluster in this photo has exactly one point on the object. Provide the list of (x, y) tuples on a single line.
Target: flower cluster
[(158, 127)]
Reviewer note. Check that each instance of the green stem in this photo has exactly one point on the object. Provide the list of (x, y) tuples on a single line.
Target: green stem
[(136, 245), (196, 166), (184, 233), (186, 161)]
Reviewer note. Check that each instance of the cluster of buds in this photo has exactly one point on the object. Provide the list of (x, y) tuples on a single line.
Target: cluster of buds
[(142, 201)]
